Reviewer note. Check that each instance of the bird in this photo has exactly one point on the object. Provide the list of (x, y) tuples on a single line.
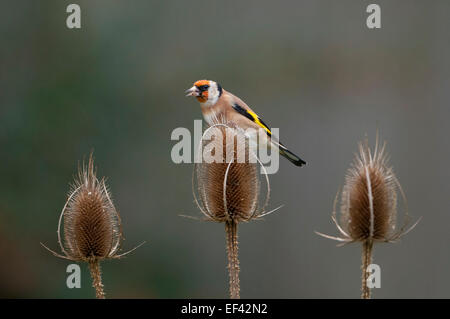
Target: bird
[(219, 105)]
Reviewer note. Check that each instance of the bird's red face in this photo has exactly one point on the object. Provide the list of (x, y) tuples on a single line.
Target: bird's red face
[(207, 92), (200, 90)]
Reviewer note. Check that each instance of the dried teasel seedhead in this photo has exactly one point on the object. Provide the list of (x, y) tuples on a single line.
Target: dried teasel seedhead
[(229, 186), (91, 224), (369, 200)]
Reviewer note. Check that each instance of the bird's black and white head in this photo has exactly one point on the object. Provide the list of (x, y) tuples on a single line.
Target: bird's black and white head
[(207, 92)]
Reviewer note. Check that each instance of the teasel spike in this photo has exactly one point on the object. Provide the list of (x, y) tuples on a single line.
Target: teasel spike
[(229, 191), (369, 205), (91, 224)]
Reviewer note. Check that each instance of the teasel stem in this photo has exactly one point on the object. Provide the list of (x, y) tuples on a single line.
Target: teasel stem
[(366, 261), (96, 274), (233, 261), (229, 190)]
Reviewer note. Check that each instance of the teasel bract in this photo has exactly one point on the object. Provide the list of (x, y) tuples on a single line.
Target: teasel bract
[(229, 188), (369, 203), (91, 225)]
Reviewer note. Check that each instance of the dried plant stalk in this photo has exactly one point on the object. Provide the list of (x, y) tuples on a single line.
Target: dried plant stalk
[(96, 274), (233, 260), (366, 261), (229, 190), (91, 225), (369, 206)]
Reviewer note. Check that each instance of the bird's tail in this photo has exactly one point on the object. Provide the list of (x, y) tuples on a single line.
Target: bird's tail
[(291, 156)]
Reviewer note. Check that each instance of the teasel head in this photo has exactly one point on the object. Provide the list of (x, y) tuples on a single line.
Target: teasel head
[(90, 224), (229, 187), (369, 204), (232, 188)]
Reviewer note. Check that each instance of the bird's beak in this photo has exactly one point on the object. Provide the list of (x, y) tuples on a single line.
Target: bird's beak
[(193, 91)]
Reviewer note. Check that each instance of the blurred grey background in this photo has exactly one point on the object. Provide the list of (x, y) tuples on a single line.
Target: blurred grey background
[(311, 68)]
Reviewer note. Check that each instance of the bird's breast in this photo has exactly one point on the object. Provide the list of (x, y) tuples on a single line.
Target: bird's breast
[(212, 115)]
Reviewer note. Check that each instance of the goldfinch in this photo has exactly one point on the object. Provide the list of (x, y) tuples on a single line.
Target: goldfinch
[(218, 105)]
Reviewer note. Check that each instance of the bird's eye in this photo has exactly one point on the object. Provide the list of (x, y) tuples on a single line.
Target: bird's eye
[(203, 87)]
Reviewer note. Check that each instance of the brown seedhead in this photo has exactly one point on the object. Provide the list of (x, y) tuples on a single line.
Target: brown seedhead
[(369, 205), (229, 190), (91, 225)]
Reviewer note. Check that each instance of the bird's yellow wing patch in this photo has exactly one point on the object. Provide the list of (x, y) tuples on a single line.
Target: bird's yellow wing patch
[(252, 116), (260, 122)]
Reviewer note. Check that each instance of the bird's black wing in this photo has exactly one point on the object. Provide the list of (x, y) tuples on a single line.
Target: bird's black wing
[(252, 116)]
